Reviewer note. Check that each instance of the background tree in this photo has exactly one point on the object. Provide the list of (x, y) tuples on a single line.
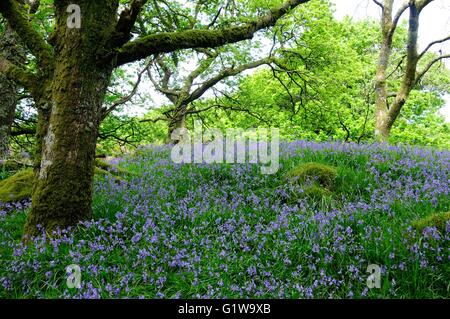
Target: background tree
[(320, 86), (11, 49), (328, 92), (187, 91), (386, 110)]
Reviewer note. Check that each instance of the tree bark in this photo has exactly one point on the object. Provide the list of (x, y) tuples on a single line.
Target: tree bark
[(177, 121), (8, 90), (69, 120), (386, 113), (8, 102)]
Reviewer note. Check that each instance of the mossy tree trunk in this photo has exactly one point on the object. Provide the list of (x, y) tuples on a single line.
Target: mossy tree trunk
[(69, 119)]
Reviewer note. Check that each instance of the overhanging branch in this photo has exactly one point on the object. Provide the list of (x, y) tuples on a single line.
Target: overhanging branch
[(172, 41), (17, 74), (18, 21)]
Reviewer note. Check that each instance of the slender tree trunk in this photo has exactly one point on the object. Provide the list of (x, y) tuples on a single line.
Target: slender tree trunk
[(412, 59), (381, 94), (386, 113), (69, 121), (382, 131)]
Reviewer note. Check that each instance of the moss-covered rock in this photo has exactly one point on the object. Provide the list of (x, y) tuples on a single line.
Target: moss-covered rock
[(438, 220), (17, 187), (317, 192), (322, 174), (313, 192)]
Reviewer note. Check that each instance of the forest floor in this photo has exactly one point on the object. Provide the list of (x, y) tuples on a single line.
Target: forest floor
[(166, 230)]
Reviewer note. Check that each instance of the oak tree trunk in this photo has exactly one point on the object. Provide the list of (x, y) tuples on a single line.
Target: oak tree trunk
[(69, 120), (174, 124)]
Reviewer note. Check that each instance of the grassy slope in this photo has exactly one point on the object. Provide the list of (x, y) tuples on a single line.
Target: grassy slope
[(228, 231)]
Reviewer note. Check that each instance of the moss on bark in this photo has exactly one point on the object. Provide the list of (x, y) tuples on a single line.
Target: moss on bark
[(62, 194)]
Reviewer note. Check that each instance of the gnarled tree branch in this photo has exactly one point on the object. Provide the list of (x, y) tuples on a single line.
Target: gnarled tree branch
[(224, 74), (397, 17), (17, 74), (171, 41), (19, 22), (125, 99), (378, 3)]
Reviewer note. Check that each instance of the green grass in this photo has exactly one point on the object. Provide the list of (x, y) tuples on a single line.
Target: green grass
[(377, 234)]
